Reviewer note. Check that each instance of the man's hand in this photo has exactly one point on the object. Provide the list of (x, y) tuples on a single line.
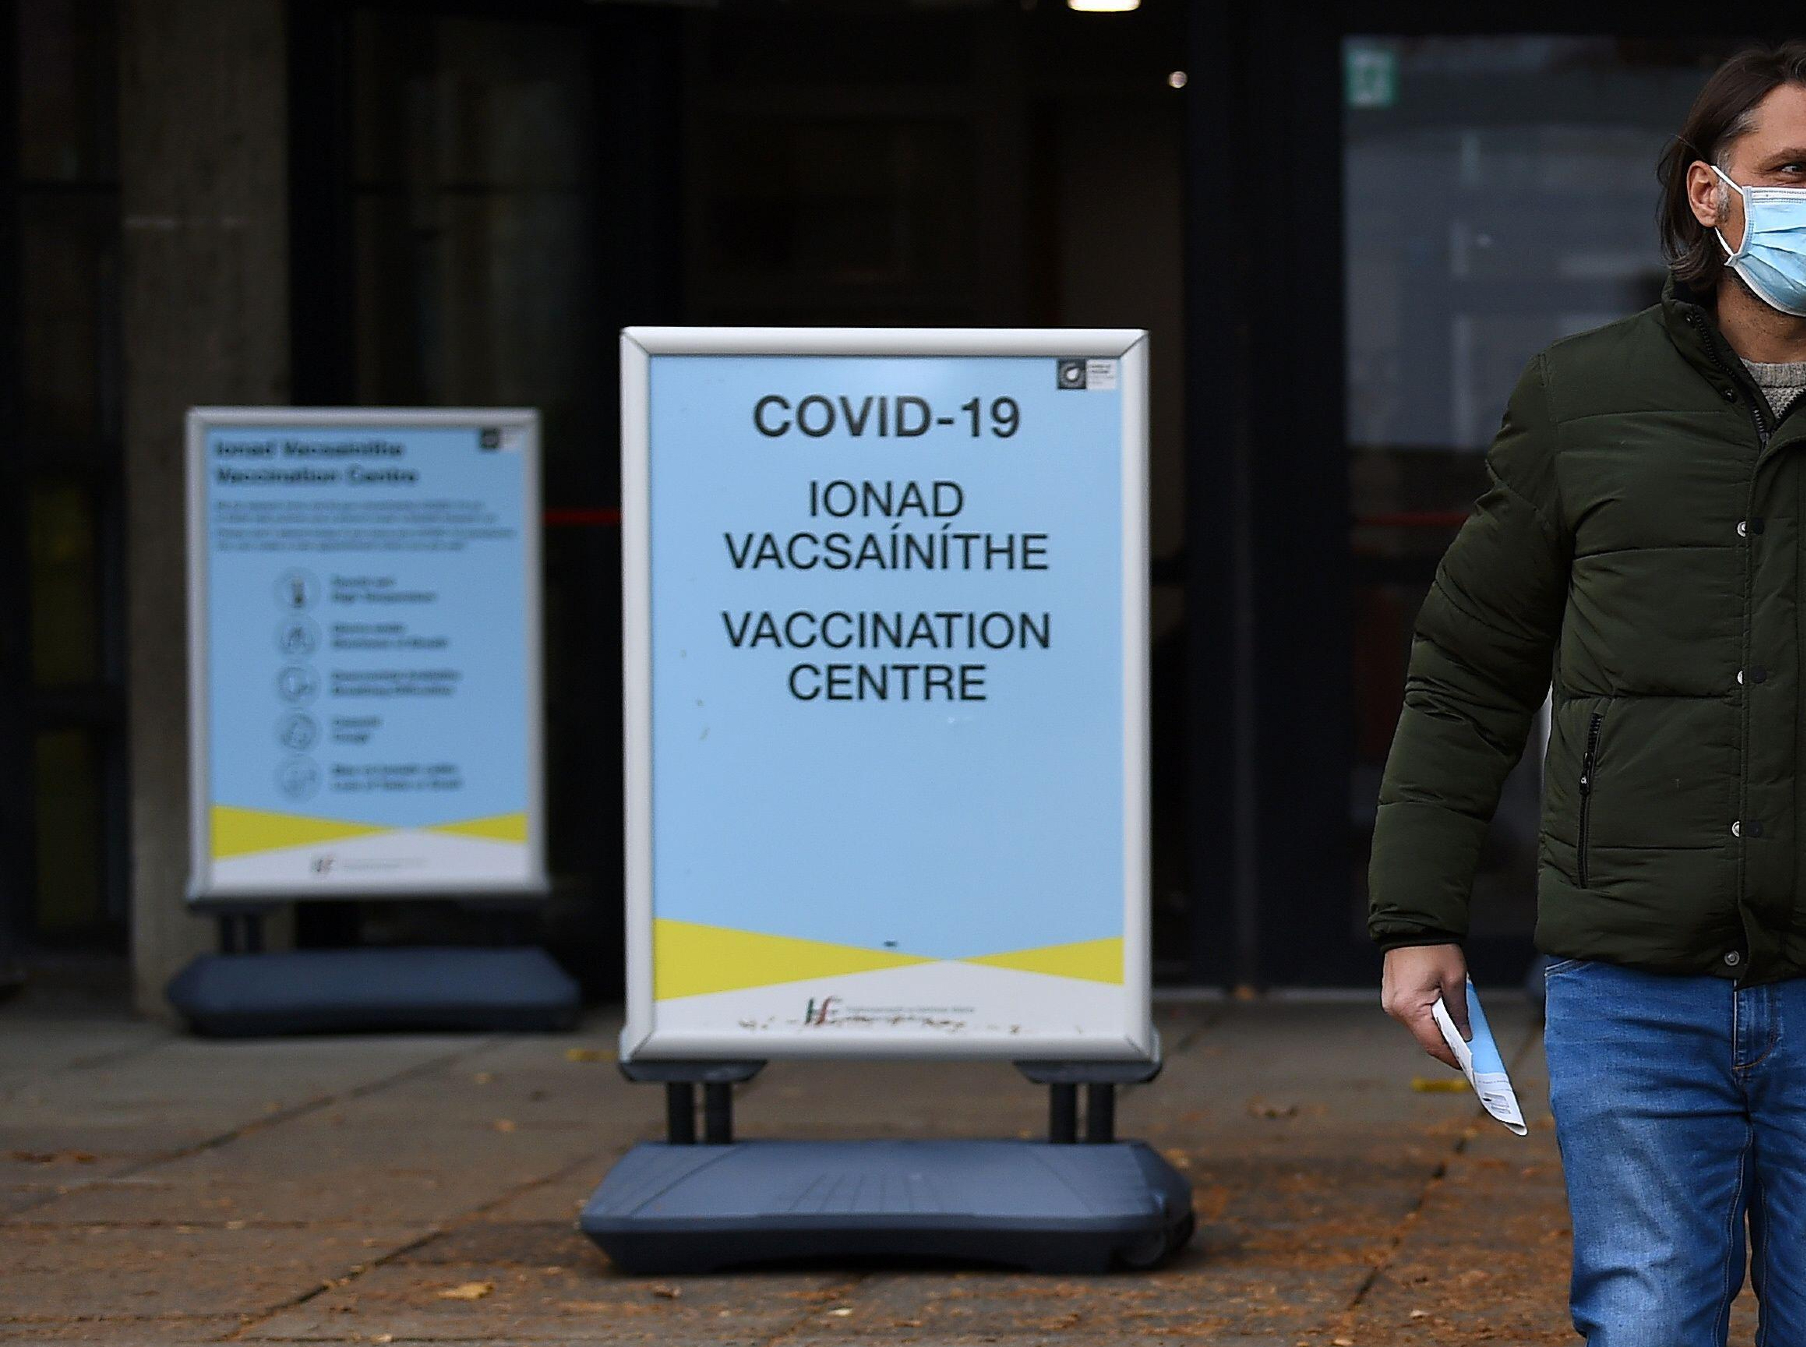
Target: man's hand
[(1415, 976)]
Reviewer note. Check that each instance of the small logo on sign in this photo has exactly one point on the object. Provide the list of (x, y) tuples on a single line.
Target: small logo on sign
[(490, 437), (1097, 375), (817, 1013)]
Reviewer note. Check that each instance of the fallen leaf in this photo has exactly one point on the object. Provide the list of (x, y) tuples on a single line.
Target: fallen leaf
[(1439, 1084), (482, 1078), (668, 1292), (467, 1291), (1343, 1342), (1420, 1314), (840, 1313), (504, 1124), (1261, 1109), (588, 1055), (54, 1157)]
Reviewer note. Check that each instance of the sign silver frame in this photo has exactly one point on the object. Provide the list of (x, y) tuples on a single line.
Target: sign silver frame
[(201, 889), (640, 1038)]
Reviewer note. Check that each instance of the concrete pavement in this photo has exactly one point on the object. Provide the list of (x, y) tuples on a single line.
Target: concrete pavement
[(156, 1189)]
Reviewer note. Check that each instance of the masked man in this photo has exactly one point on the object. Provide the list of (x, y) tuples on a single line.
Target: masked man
[(1642, 548)]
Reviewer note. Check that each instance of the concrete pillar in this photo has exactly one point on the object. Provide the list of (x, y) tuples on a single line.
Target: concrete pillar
[(204, 193)]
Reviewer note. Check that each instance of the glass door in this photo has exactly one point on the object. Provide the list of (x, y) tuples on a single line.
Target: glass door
[(1499, 193)]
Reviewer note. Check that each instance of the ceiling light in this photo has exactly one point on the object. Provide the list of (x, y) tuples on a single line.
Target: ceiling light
[(1103, 6)]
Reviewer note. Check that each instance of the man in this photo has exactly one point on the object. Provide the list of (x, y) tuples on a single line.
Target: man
[(1641, 548)]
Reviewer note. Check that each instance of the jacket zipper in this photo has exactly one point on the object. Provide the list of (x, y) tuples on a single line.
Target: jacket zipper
[(1586, 789), (1755, 404)]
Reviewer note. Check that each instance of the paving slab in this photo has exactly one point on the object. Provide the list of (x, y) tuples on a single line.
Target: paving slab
[(162, 1330), (332, 1175), (224, 1082), (34, 1047), (170, 1190), (101, 1272), (1198, 1296), (569, 1301)]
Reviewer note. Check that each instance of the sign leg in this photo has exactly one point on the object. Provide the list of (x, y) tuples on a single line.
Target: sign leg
[(718, 1113), (1100, 1113), (1063, 1113), (680, 1113)]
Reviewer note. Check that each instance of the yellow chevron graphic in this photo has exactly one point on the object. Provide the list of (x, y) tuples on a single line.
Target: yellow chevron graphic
[(240, 832), (1093, 960), (690, 959), (494, 828)]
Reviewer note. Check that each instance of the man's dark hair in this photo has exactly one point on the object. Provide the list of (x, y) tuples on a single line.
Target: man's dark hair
[(1724, 110)]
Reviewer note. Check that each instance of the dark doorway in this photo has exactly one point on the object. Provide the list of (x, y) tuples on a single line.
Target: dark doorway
[(484, 194)]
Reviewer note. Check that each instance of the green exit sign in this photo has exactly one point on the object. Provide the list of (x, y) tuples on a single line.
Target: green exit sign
[(1370, 75)]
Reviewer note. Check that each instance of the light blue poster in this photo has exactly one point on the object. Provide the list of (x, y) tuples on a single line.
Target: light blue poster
[(365, 603), (889, 727)]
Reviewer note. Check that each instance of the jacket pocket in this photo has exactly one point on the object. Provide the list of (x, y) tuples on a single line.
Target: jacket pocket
[(1588, 764)]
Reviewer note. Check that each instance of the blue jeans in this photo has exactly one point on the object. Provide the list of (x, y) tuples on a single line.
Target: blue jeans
[(1680, 1109)]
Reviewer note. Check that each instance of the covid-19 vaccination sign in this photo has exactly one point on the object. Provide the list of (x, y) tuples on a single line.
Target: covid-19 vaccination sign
[(364, 666), (886, 670)]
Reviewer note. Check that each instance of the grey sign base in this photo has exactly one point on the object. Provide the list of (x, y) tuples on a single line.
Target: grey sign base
[(418, 988), (1040, 1206)]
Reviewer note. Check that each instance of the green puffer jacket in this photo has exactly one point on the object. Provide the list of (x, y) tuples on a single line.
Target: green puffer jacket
[(1639, 547)]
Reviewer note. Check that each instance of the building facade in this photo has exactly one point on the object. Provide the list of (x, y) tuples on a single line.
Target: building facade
[(1346, 226)]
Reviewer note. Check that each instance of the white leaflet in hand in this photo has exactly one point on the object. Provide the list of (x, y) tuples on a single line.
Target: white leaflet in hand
[(1481, 1063)]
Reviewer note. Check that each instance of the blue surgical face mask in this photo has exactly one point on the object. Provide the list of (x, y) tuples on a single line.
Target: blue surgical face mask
[(1772, 260)]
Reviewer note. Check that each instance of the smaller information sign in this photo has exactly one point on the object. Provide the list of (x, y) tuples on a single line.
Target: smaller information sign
[(364, 625)]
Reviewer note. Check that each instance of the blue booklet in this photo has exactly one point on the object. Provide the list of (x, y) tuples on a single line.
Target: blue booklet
[(1481, 1062)]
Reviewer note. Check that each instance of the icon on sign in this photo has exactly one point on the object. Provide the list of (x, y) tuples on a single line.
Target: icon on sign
[(1071, 374), (297, 637), (297, 590), (297, 684), (297, 731), (298, 778), (489, 437)]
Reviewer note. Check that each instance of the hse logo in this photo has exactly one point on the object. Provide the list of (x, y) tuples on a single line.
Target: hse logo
[(817, 1012), (1096, 375)]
